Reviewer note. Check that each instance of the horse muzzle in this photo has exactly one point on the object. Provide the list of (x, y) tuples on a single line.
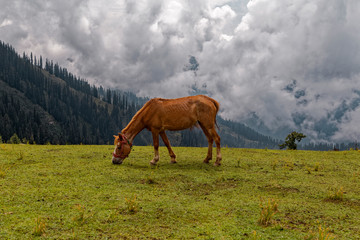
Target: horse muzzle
[(117, 160)]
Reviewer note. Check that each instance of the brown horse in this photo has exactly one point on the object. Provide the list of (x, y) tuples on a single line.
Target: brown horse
[(159, 115)]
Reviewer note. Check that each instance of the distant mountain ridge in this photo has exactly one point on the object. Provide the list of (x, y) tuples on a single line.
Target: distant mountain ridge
[(44, 103)]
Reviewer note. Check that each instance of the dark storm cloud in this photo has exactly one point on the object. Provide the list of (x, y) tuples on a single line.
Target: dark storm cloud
[(248, 53)]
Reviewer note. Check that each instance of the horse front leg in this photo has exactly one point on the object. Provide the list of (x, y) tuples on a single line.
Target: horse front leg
[(155, 136), (210, 142), (167, 144)]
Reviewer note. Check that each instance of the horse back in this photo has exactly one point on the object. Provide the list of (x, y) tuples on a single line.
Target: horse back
[(180, 113)]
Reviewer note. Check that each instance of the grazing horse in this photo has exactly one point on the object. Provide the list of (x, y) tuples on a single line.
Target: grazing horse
[(159, 115)]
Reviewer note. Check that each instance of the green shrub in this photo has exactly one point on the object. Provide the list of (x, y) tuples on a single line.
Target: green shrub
[(14, 139)]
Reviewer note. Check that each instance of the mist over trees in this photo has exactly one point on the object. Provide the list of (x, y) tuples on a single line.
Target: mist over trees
[(51, 104), (41, 102)]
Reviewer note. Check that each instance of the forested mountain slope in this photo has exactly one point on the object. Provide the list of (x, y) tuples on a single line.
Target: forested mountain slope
[(44, 103)]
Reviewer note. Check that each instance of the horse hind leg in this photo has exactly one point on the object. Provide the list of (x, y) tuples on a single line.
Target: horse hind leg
[(216, 138), (167, 144)]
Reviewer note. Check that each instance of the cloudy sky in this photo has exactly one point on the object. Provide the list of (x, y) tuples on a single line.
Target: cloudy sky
[(274, 64)]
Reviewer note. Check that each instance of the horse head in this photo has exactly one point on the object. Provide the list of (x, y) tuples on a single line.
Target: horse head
[(122, 148)]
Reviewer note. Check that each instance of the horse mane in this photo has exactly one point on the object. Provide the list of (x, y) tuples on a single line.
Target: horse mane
[(146, 105), (116, 139)]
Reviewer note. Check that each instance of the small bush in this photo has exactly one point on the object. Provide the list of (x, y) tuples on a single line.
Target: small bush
[(14, 139)]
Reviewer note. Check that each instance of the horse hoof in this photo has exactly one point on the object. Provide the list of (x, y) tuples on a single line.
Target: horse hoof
[(173, 162), (216, 164)]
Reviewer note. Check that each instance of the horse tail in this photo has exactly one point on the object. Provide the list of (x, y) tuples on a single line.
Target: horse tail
[(217, 126), (217, 107)]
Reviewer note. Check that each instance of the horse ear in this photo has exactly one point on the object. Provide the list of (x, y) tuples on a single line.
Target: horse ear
[(120, 137)]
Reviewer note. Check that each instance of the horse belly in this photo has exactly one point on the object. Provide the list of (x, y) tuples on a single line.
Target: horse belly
[(180, 121)]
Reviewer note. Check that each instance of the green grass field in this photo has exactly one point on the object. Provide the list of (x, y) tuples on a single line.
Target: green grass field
[(75, 192)]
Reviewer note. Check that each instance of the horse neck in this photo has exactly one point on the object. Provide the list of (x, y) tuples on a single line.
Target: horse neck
[(133, 128)]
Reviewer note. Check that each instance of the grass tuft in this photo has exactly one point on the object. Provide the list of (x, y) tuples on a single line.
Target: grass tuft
[(150, 178), (21, 155), (255, 236), (40, 227), (336, 195), (268, 209), (321, 234), (317, 167), (2, 172), (132, 206), (274, 164), (79, 217)]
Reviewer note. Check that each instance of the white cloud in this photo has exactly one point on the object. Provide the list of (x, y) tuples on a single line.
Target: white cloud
[(248, 52), (5, 22)]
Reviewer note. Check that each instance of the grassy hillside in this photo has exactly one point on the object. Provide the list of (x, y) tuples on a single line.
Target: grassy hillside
[(74, 192)]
